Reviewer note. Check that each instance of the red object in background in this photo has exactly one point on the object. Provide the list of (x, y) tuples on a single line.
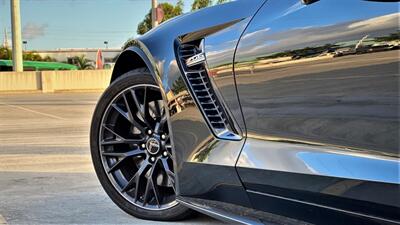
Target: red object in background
[(99, 60), (159, 14)]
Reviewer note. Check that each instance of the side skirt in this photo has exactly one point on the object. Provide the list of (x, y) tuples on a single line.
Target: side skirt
[(219, 214)]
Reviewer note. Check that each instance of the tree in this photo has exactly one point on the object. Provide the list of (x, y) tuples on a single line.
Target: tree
[(198, 4), (32, 56), (178, 86), (83, 63), (48, 59), (391, 37), (5, 53), (145, 25), (170, 11)]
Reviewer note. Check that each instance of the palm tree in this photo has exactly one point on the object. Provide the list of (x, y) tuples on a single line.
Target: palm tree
[(83, 63)]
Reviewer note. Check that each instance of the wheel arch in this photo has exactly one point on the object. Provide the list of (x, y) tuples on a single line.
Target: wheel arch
[(131, 58), (137, 56)]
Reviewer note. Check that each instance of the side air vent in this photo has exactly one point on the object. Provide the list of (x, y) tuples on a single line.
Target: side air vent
[(192, 61)]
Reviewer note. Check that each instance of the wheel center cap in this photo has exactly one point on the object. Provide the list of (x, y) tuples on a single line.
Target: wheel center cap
[(153, 146)]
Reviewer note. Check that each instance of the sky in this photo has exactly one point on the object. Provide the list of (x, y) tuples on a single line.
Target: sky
[(51, 24)]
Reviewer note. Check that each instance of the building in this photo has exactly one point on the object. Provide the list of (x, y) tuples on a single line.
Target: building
[(67, 55)]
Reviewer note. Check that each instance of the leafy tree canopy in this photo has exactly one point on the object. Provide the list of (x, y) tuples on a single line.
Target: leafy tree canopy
[(170, 11), (391, 37), (198, 4), (6, 53), (83, 63)]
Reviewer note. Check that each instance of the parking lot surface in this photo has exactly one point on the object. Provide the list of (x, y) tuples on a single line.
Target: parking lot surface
[(46, 174)]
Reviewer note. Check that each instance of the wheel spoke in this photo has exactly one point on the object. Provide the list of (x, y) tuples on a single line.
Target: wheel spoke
[(137, 103), (157, 127), (127, 116), (123, 141), (122, 112), (137, 186), (168, 171), (130, 115), (117, 165), (149, 185), (119, 139), (173, 185), (136, 178), (112, 142), (163, 121), (154, 187), (156, 194), (147, 191), (131, 153), (146, 107), (138, 126), (145, 103), (140, 108), (124, 156), (113, 132), (157, 108)]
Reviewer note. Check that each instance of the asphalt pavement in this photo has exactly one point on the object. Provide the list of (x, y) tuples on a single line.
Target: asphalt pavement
[(46, 174)]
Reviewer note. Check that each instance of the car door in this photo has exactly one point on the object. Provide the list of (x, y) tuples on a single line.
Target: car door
[(318, 83)]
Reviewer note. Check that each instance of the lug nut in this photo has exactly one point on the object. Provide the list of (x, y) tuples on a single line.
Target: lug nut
[(163, 136), (152, 159), (149, 132), (143, 146), (165, 153)]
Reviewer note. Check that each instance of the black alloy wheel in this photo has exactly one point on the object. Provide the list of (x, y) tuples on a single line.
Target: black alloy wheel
[(131, 148)]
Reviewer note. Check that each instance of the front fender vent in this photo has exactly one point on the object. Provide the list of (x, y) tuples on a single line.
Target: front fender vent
[(192, 62)]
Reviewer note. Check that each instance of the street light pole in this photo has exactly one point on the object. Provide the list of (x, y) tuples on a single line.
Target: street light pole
[(16, 36), (154, 21), (25, 44)]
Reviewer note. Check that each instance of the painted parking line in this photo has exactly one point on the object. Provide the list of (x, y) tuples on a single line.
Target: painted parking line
[(46, 163), (2, 220), (33, 111)]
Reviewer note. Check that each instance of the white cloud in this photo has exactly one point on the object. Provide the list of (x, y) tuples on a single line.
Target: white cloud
[(32, 31), (377, 21)]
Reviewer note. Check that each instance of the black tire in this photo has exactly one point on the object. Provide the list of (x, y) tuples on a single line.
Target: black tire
[(130, 79)]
